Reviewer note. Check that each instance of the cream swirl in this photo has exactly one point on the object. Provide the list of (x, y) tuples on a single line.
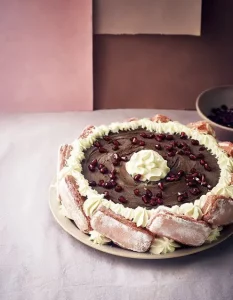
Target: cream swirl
[(163, 245), (149, 164)]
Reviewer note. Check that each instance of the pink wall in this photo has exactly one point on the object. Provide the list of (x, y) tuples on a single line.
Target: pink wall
[(46, 55)]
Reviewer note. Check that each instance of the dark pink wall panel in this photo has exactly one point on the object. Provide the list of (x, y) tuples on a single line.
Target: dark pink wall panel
[(46, 55)]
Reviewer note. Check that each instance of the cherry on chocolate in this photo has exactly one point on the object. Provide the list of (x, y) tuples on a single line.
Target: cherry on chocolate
[(94, 162), (137, 177), (202, 162), (150, 135), (159, 195), (116, 156), (191, 183), (207, 167), (97, 144), (148, 193), (115, 148), (209, 187), (113, 172), (100, 166), (203, 177), (180, 152), (122, 199), (107, 138), (102, 150), (187, 152), (141, 143), (145, 199), (192, 157), (104, 170), (180, 173), (116, 162), (116, 143), (159, 139), (153, 201), (113, 182), (180, 198), (202, 148), (106, 194), (118, 188), (124, 158), (162, 136), (108, 185), (171, 154), (169, 147), (194, 191), (112, 176), (195, 142), (91, 168), (161, 186), (169, 137), (92, 183), (136, 192), (183, 135), (101, 183), (159, 201), (198, 180), (144, 135), (158, 147)]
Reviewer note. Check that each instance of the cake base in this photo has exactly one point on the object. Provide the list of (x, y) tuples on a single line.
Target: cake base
[(70, 228)]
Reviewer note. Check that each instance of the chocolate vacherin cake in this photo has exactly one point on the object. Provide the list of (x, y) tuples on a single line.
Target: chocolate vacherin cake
[(147, 185)]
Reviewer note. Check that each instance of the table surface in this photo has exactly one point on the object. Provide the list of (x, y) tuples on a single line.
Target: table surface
[(38, 260)]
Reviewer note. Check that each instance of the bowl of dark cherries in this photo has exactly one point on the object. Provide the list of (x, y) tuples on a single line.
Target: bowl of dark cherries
[(215, 105)]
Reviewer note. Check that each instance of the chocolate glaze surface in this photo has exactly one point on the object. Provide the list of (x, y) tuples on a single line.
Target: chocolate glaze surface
[(175, 163)]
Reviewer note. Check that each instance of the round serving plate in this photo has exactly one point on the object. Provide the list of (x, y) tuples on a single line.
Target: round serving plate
[(70, 228)]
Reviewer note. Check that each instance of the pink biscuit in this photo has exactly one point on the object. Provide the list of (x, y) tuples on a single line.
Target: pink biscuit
[(121, 231), (160, 119), (203, 127), (182, 229), (87, 130), (218, 210), (73, 202), (227, 147), (64, 154)]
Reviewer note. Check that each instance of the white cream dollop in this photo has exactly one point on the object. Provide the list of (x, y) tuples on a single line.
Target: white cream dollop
[(163, 245), (149, 164), (98, 238)]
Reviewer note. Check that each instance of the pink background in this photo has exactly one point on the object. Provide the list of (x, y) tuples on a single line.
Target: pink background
[(46, 55)]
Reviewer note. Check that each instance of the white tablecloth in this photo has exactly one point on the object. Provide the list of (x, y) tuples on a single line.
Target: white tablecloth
[(38, 260)]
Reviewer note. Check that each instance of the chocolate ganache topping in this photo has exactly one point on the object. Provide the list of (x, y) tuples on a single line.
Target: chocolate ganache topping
[(193, 169)]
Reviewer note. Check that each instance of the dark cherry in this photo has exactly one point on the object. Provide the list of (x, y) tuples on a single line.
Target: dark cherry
[(198, 180), (187, 152), (134, 141), (116, 163), (202, 162), (171, 154), (141, 143), (144, 135), (94, 162), (137, 177), (191, 183), (101, 183), (209, 187), (203, 183), (145, 199), (180, 199), (150, 136), (159, 201), (102, 150), (161, 186), (169, 137), (183, 135), (180, 173), (153, 201), (108, 185), (113, 182), (112, 176), (170, 179), (194, 191), (104, 170), (100, 166), (122, 199), (115, 148), (116, 143), (92, 183), (192, 157), (148, 193), (203, 177), (91, 168), (136, 192), (106, 194), (97, 144), (162, 136), (169, 148), (118, 188), (113, 172), (159, 139), (158, 147), (159, 195), (195, 142), (180, 152), (116, 156), (202, 148), (107, 138), (180, 145), (207, 167)]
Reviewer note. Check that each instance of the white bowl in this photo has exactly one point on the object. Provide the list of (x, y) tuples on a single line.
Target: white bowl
[(214, 98)]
